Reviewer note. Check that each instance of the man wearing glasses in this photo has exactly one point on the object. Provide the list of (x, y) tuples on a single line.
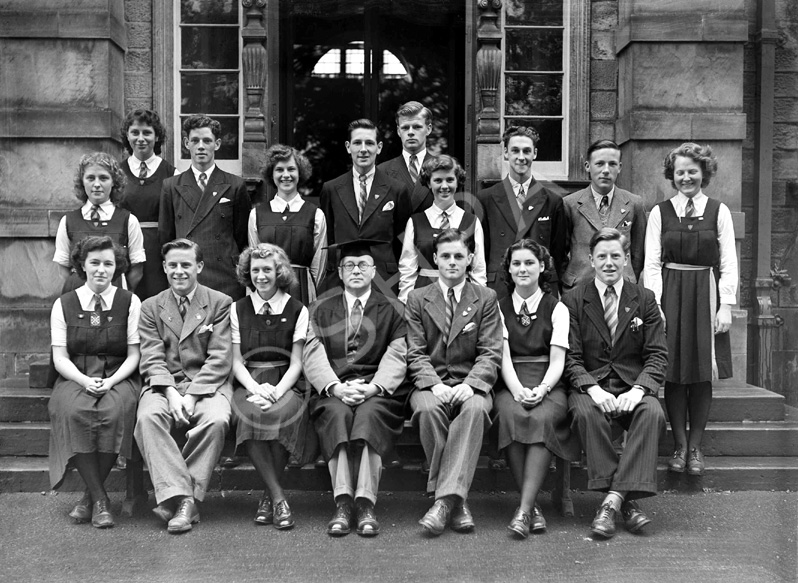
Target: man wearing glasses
[(354, 357)]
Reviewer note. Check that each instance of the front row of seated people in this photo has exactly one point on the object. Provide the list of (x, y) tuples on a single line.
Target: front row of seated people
[(547, 377)]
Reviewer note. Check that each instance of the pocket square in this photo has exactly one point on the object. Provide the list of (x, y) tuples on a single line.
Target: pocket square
[(205, 328), (636, 324), (388, 206), (224, 199), (627, 223), (543, 219), (468, 327)]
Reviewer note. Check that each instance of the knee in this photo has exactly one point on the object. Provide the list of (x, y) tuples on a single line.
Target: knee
[(476, 408)]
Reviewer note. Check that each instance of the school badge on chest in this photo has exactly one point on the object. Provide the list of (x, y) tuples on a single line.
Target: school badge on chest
[(95, 319)]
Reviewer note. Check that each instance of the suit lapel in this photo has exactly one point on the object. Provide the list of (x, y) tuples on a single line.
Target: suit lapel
[(377, 196), (214, 192), (347, 195), (627, 308), (418, 192), (619, 209), (195, 315), (189, 190), (169, 313), (504, 200), (533, 207), (463, 311), (587, 208), (399, 171), (594, 310), (435, 306)]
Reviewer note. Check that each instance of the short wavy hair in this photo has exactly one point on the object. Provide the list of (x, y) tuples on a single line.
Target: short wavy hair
[(182, 244), (523, 131), (282, 153), (702, 155), (540, 252), (109, 163), (413, 109), (282, 265), (455, 236), (609, 234), (441, 162), (198, 121), (82, 248), (146, 117)]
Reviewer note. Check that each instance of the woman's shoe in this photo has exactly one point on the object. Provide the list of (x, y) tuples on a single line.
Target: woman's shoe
[(538, 522), (695, 465), (678, 460), (520, 523), (265, 513), (283, 519), (101, 516), (82, 510)]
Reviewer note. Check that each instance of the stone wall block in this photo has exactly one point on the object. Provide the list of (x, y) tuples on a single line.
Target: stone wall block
[(27, 271), (785, 165), (138, 10), (602, 45), (786, 84), (603, 105), (134, 103), (138, 60), (138, 85), (785, 221), (601, 131), (24, 330), (603, 75), (604, 15), (139, 35), (785, 137), (785, 109)]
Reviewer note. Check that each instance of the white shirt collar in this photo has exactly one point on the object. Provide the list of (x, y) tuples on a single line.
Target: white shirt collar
[(514, 183), (369, 174), (602, 288), (697, 198), (86, 297), (294, 203), (135, 164), (532, 301), (597, 196), (207, 172), (438, 211), (419, 157), (276, 302), (106, 208), (458, 289), (350, 300), (190, 295)]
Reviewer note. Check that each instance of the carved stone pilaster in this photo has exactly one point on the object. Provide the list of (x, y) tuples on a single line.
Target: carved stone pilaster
[(489, 69), (253, 58)]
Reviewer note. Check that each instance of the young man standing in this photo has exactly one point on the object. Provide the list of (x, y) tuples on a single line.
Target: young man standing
[(208, 206), (414, 125), (600, 205), (614, 367), (519, 207), (454, 346)]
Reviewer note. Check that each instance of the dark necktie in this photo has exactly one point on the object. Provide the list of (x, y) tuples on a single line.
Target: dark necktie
[(182, 306), (265, 309), (95, 215), (203, 181), (689, 210), (362, 197), (286, 210), (142, 172), (604, 208), (96, 315), (355, 319), (450, 302), (523, 317), (520, 197), (611, 310), (444, 221), (413, 168)]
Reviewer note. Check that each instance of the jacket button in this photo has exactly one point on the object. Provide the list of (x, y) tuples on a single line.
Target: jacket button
[(179, 216), (501, 234), (218, 259), (222, 215), (217, 237)]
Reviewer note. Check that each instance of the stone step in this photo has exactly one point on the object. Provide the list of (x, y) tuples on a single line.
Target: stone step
[(38, 372), (764, 438), (30, 474), (730, 403)]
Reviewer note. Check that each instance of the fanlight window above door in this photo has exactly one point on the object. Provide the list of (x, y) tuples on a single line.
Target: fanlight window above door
[(349, 62)]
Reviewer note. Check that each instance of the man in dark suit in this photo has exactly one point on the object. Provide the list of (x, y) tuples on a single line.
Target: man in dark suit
[(208, 206), (614, 367), (602, 204), (186, 355), (366, 204), (413, 124), (354, 357), (519, 207), (454, 347)]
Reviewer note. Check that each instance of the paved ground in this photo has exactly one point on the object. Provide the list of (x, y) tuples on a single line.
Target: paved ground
[(703, 537)]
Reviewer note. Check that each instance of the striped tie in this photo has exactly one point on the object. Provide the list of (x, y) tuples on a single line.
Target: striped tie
[(203, 181), (95, 215), (450, 301), (444, 221), (604, 208), (689, 211), (143, 171), (96, 315), (265, 310), (520, 197), (355, 319), (611, 310), (361, 200), (182, 306), (413, 168)]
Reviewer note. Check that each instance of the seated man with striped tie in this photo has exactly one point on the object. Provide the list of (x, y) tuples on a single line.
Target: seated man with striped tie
[(354, 357), (614, 368), (454, 348)]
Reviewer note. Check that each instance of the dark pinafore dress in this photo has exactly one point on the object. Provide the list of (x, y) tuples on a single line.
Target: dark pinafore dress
[(143, 198), (266, 344), (78, 228), (690, 300), (425, 238), (82, 423), (546, 423), (294, 233)]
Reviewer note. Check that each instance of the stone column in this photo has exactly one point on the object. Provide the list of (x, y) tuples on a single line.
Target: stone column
[(680, 78)]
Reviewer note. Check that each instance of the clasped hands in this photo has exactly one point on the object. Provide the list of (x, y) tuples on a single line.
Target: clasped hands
[(531, 397), (354, 391), (97, 387), (181, 407), (456, 395), (264, 396), (612, 405)]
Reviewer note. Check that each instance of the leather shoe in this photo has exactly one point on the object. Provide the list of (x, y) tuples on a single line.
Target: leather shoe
[(101, 516), (437, 517), (538, 522), (367, 524), (339, 523), (82, 510), (265, 513), (604, 522), (186, 515), (678, 460), (695, 465), (164, 511), (462, 520), (520, 523), (634, 519), (283, 519)]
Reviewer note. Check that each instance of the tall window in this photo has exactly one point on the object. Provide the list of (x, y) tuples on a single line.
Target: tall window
[(208, 49), (536, 87)]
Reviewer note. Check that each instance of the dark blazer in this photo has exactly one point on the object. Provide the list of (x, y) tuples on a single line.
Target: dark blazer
[(420, 196), (638, 356), (193, 354), (627, 214), (541, 220), (472, 352), (217, 222), (384, 218)]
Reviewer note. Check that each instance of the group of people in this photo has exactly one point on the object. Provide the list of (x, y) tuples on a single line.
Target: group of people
[(313, 329)]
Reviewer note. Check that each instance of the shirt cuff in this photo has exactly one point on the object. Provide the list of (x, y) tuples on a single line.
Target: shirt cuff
[(730, 300)]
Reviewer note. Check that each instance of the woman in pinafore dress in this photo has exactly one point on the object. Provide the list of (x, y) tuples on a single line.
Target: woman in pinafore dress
[(289, 222), (270, 400), (144, 135), (92, 409), (530, 412), (691, 266), (443, 175)]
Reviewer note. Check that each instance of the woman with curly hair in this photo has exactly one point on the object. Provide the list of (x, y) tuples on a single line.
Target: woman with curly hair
[(270, 401), (444, 176), (99, 184), (144, 135), (530, 413), (691, 266), (95, 342), (287, 221)]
